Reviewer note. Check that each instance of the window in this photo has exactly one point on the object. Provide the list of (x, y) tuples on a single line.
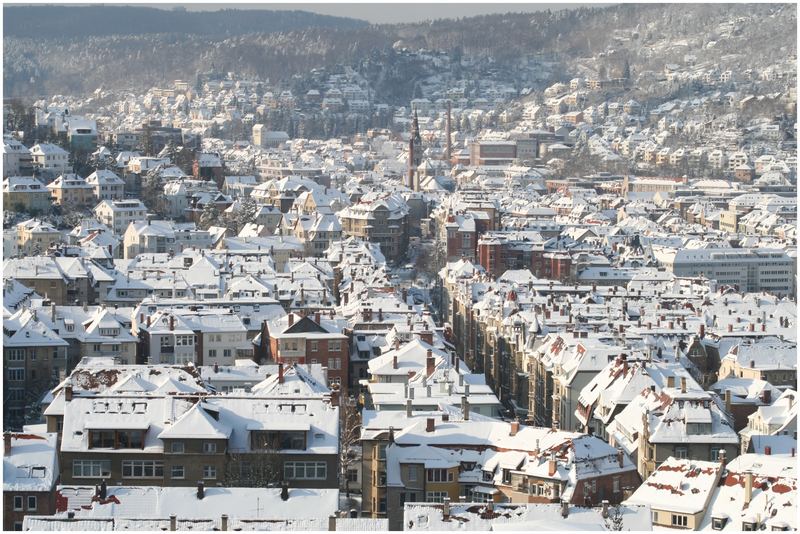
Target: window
[(212, 353), (334, 363), (16, 375), (91, 468), (352, 475), (16, 355), (435, 496), (439, 475), (715, 453), (314, 346), (177, 447), (679, 520), (616, 484), (209, 472), (749, 526), (305, 470), (681, 453), (32, 504), (131, 439), (101, 439), (718, 523), (412, 473), (334, 346), (209, 447), (142, 468), (18, 502), (178, 472), (227, 353)]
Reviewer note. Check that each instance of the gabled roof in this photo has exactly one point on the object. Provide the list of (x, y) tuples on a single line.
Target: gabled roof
[(196, 423)]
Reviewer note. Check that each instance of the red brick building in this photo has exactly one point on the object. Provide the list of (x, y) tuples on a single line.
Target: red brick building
[(311, 339)]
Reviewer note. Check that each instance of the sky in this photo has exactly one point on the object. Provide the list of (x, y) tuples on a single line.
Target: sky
[(386, 13)]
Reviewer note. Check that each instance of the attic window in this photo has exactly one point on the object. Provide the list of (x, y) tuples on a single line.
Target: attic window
[(718, 523), (38, 472)]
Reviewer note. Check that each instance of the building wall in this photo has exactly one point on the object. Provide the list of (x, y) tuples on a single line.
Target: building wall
[(45, 505)]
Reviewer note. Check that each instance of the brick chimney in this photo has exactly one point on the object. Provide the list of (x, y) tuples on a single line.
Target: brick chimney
[(280, 373), (768, 450), (7, 444), (409, 408), (316, 317), (766, 396), (426, 336), (68, 392), (430, 424), (465, 408), (201, 490), (380, 315), (514, 428), (683, 384), (620, 457), (429, 363), (551, 465), (291, 319), (394, 361), (728, 400), (702, 331), (172, 322)]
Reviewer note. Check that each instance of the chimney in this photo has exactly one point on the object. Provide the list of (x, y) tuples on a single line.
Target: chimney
[(722, 459), (446, 509), (702, 331), (284, 491), (316, 317), (68, 392), (620, 458), (605, 508), (671, 381), (564, 509), (394, 362), (466, 390), (291, 319), (103, 489), (445, 417), (730, 328), (216, 368), (752, 327), (172, 322), (173, 522), (728, 400), (768, 450), (391, 434), (426, 336), (748, 487), (465, 408), (201, 490), (766, 396), (428, 390), (224, 522), (409, 408), (331, 523), (380, 315), (551, 465), (7, 444), (429, 363), (514, 428), (280, 373), (683, 384), (431, 424)]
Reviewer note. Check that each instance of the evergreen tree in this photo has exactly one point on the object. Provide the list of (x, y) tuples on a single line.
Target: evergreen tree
[(210, 216)]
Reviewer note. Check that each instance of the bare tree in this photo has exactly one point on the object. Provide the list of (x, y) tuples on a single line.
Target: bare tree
[(614, 519), (254, 469), (349, 437)]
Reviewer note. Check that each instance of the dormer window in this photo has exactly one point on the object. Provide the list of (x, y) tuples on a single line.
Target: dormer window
[(749, 525), (718, 523)]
